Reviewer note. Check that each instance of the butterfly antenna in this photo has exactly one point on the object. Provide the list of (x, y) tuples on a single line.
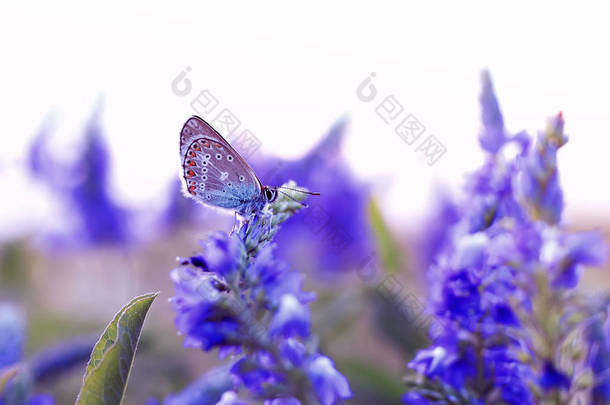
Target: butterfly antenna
[(299, 191), (300, 202)]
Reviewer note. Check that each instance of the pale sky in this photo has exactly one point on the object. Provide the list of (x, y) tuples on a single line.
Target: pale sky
[(289, 72)]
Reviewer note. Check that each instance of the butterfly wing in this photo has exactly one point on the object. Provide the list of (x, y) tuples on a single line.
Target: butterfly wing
[(213, 172)]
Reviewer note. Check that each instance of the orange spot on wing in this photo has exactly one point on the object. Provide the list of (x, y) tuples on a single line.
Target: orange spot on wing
[(190, 173), (196, 147), (190, 163), (206, 144), (192, 190)]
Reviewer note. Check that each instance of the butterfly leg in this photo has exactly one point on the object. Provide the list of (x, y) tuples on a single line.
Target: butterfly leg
[(236, 225), (239, 222)]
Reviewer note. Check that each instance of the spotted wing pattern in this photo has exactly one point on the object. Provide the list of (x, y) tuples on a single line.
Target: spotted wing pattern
[(214, 173)]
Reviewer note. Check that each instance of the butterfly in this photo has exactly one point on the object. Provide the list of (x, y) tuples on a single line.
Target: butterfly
[(216, 174)]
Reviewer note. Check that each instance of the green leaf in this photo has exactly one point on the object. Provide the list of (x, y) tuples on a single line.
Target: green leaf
[(108, 369), (389, 250)]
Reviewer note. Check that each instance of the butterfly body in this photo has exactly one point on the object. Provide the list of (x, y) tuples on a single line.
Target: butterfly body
[(215, 174)]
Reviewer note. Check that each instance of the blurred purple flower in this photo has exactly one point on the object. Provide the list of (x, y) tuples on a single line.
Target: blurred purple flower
[(39, 159), (502, 264), (435, 234), (492, 135), (61, 357), (84, 187), (334, 232), (566, 254), (538, 180)]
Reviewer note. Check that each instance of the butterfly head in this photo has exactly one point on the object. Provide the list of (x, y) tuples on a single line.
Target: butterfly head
[(270, 193)]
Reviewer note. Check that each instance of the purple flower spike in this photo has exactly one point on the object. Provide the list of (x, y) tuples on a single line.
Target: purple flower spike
[(492, 136), (84, 186), (235, 296), (503, 284)]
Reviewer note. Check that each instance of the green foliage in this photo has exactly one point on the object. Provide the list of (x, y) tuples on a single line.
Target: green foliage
[(111, 360), (14, 265)]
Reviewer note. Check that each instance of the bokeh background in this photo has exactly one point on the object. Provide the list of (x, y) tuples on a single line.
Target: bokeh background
[(91, 214)]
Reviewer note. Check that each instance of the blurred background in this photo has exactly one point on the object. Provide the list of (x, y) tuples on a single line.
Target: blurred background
[(93, 97)]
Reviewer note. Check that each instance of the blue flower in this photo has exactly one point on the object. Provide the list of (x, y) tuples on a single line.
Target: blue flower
[(293, 351), (510, 375), (61, 357), (273, 279), (223, 254), (204, 315), (330, 385), (552, 378), (429, 362), (538, 179), (237, 297), (501, 280), (565, 255), (253, 375), (461, 295), (471, 251), (291, 319)]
